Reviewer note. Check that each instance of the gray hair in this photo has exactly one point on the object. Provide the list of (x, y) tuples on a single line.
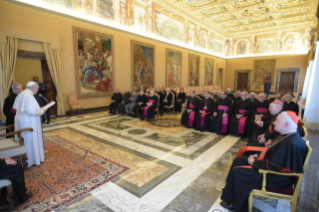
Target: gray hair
[(15, 84), (253, 93)]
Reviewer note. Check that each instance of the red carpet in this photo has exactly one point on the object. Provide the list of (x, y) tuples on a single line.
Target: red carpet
[(68, 172)]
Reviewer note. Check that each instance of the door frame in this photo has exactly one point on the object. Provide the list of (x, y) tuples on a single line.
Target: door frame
[(244, 72), (295, 70)]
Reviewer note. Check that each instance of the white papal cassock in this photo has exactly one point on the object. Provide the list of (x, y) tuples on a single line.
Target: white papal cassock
[(28, 115)]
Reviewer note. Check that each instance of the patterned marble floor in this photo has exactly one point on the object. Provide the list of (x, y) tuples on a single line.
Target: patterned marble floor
[(171, 168)]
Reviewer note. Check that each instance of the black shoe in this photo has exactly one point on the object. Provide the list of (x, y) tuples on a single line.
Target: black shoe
[(227, 205), (161, 115), (142, 119)]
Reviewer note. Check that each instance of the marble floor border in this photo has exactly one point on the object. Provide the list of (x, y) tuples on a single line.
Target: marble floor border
[(133, 189), (191, 156)]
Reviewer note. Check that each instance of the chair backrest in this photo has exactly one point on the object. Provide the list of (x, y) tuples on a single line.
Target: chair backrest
[(173, 98), (73, 99), (309, 151)]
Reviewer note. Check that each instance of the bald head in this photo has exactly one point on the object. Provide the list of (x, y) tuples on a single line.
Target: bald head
[(126, 90), (284, 124), (228, 90), (117, 90)]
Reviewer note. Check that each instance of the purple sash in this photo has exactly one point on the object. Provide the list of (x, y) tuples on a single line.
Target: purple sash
[(242, 120), (225, 119), (191, 116), (12, 110), (261, 110), (146, 107), (202, 119)]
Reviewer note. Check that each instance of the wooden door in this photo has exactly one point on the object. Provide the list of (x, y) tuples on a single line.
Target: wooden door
[(287, 81), (242, 81), (47, 80)]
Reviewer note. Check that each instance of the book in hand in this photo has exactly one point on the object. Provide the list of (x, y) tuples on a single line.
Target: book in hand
[(49, 105)]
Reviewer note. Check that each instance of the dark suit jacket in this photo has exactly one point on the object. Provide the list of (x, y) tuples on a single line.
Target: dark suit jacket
[(117, 97), (169, 98)]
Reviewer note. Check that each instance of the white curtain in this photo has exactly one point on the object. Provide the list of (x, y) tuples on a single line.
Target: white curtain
[(53, 59), (311, 115), (307, 80), (8, 58)]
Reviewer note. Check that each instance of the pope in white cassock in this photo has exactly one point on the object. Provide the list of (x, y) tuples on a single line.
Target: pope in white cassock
[(28, 115)]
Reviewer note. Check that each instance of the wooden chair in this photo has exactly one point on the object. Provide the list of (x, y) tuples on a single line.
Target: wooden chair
[(289, 194), (158, 104), (172, 106), (73, 102)]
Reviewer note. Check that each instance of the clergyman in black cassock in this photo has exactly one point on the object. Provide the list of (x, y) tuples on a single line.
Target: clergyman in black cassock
[(125, 101), (235, 99), (289, 104), (181, 98), (252, 97), (149, 109), (116, 100), (167, 101), (267, 126), (286, 154), (8, 110), (140, 103), (192, 105), (222, 112), (238, 124), (229, 94), (13, 171), (206, 109), (259, 109)]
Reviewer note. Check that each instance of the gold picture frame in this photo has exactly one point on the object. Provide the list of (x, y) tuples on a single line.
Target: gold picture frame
[(265, 48), (142, 64), (193, 78)]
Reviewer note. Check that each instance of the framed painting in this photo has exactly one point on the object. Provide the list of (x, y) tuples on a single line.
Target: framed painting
[(263, 69), (142, 64), (209, 71), (93, 58), (242, 47), (173, 68), (216, 46), (167, 25), (193, 69), (266, 44)]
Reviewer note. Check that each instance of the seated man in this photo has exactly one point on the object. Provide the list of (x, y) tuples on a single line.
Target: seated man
[(222, 112), (192, 105), (239, 123), (181, 98), (160, 94), (131, 104), (149, 109), (140, 103), (13, 171), (289, 104), (214, 94), (206, 108), (115, 101), (142, 88), (236, 98), (278, 97), (266, 126), (252, 97), (167, 101), (229, 94), (125, 101), (259, 110), (201, 95), (286, 154)]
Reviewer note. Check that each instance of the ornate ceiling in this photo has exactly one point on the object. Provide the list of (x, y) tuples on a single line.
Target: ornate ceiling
[(244, 17)]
